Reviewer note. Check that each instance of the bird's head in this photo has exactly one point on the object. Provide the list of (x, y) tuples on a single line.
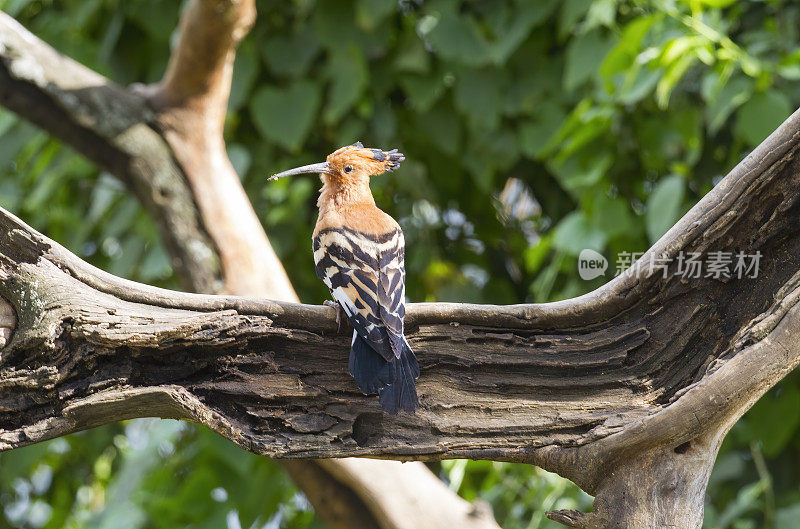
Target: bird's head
[(351, 163)]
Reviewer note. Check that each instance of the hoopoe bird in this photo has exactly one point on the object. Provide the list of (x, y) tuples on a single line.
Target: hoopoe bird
[(359, 252)]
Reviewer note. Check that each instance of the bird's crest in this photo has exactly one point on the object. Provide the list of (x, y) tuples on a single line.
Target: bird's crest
[(351, 160), (371, 161)]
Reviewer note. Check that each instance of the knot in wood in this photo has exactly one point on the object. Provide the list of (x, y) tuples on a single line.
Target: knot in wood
[(8, 321)]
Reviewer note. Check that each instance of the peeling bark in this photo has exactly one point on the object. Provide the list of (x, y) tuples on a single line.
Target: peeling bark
[(628, 391), (115, 128), (167, 145)]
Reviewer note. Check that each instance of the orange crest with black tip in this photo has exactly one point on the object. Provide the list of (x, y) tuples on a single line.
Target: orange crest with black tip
[(357, 158), (353, 160)]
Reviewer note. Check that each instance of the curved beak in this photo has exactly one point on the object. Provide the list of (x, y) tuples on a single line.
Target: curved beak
[(313, 168)]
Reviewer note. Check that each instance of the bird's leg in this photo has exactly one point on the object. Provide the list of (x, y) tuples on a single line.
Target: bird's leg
[(338, 308)]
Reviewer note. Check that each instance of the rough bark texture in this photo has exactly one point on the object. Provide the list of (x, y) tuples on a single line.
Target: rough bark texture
[(628, 391), (191, 102), (115, 128), (166, 142)]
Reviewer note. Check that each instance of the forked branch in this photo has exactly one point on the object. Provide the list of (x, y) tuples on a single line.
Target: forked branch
[(166, 142), (627, 391), (644, 375)]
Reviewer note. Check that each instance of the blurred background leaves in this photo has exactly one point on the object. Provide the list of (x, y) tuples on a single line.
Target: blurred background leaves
[(532, 129)]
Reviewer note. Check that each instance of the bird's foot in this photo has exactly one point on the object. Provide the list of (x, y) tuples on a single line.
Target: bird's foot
[(334, 304)]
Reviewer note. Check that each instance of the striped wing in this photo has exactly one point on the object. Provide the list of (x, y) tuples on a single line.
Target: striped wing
[(366, 276)]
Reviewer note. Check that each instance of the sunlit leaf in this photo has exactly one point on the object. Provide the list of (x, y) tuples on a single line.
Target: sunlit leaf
[(664, 206), (759, 116), (285, 116), (575, 232), (348, 71), (584, 53)]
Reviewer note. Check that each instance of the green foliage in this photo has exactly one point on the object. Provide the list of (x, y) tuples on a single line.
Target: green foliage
[(520, 495), (532, 129)]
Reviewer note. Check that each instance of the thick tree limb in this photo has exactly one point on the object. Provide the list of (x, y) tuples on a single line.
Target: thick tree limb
[(373, 480), (114, 128), (191, 102), (627, 391), (208, 222), (201, 67)]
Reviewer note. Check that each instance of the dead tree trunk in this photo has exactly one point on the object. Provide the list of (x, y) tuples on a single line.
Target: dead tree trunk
[(165, 142), (628, 391)]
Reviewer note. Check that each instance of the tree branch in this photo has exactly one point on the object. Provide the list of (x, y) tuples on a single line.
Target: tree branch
[(114, 128), (208, 222), (581, 387), (201, 66), (191, 102), (627, 391), (272, 375)]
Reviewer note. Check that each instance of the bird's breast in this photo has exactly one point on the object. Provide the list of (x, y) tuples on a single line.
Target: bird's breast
[(349, 249)]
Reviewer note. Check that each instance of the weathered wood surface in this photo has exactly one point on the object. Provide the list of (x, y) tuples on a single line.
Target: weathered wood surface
[(628, 391), (638, 360), (165, 141)]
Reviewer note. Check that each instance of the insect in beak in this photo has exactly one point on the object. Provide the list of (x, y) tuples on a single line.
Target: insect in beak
[(313, 168)]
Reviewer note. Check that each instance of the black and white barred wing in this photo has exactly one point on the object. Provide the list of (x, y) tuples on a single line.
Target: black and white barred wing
[(366, 276)]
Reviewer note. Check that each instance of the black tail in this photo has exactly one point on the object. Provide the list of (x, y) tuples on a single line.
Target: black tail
[(393, 381), (368, 368), (401, 393)]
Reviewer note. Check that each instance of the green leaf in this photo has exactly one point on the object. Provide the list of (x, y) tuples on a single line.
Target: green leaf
[(422, 90), (456, 37), (601, 13), (664, 206), (761, 115), (639, 85), (731, 95), (535, 255), (240, 158), (612, 215), (745, 500), (513, 28), (786, 518), (156, 19), (285, 116), (348, 71), (773, 420), (575, 232), (535, 134), (572, 11), (245, 71), (370, 13), (576, 174), (383, 124), (442, 128), (675, 72), (623, 55), (412, 56), (584, 53), (290, 55), (478, 96), (665, 140)]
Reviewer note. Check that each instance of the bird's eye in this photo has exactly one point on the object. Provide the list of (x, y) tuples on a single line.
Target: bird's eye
[(348, 168)]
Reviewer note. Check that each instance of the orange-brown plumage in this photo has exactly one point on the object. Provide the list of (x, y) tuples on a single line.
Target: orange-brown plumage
[(359, 254), (345, 198)]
